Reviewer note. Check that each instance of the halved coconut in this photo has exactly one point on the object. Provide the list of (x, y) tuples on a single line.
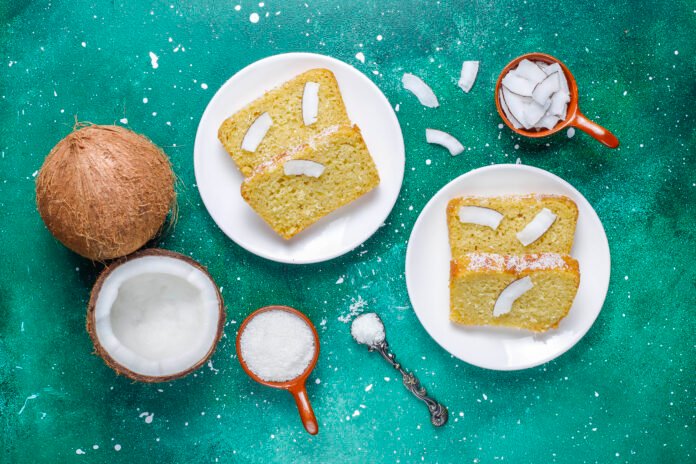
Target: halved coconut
[(155, 316)]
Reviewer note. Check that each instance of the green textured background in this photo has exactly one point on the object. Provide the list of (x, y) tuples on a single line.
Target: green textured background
[(625, 393)]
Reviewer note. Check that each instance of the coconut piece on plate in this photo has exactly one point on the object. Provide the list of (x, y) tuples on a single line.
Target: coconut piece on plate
[(468, 75), (480, 215), (530, 71), (544, 89), (155, 316), (518, 84), (300, 167), (420, 89), (510, 294), (310, 103), (256, 132), (444, 139), (536, 227)]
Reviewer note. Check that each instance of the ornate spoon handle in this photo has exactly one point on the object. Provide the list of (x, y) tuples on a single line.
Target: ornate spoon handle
[(438, 413)]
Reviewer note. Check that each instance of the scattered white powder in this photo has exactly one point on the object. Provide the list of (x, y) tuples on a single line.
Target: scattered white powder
[(30, 397), (367, 329), (153, 60), (79, 451), (145, 100), (339, 281), (117, 447), (237, 7), (360, 56), (84, 44), (124, 120), (204, 86), (428, 162), (254, 18), (379, 37), (356, 307), (96, 447), (277, 345), (571, 132)]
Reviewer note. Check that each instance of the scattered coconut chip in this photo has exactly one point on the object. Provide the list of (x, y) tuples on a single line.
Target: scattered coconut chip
[(556, 68), (303, 168), (444, 139), (256, 132), (468, 75), (310, 103), (510, 294), (479, 215), (536, 227), (420, 89)]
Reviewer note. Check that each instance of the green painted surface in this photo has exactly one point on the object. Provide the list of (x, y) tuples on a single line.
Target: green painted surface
[(625, 393)]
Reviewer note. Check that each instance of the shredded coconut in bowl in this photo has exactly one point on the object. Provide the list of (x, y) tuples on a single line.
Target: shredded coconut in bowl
[(367, 329), (277, 345)]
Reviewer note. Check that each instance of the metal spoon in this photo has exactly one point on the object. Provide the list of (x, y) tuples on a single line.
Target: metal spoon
[(378, 343)]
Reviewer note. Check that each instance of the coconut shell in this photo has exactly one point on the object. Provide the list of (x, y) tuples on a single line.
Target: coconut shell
[(105, 191), (91, 321)]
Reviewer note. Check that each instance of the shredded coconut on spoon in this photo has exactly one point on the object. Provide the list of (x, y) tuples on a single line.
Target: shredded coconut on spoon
[(367, 329)]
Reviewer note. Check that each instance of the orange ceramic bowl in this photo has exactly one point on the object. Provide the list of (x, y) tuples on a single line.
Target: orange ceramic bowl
[(574, 117)]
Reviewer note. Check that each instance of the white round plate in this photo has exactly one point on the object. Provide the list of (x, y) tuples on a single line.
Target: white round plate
[(219, 180), (427, 273)]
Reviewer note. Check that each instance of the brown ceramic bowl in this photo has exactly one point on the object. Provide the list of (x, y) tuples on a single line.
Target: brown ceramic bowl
[(573, 118), (295, 386)]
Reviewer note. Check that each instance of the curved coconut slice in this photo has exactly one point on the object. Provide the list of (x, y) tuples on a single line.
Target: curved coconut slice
[(518, 84), (544, 89), (512, 292), (299, 167), (256, 132), (420, 89), (468, 75), (444, 139), (536, 227), (479, 215), (310, 103), (155, 316)]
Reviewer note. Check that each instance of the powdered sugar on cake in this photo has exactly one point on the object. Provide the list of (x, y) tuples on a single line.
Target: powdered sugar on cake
[(532, 262)]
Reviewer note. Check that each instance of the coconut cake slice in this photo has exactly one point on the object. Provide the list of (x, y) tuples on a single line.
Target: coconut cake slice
[(283, 117), (533, 292), (515, 224), (296, 189)]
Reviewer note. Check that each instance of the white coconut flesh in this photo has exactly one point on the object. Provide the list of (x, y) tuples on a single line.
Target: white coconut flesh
[(486, 217), (256, 132), (444, 139), (157, 315), (536, 227), (310, 103), (420, 89), (510, 294), (468, 75), (303, 168), (535, 95)]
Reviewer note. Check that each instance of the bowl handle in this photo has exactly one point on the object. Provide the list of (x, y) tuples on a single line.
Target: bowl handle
[(305, 408), (594, 130)]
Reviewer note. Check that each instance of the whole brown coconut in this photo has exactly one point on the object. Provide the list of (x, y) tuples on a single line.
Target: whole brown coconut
[(104, 191)]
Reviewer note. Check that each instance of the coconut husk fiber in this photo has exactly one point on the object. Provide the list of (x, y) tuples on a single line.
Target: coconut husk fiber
[(105, 191)]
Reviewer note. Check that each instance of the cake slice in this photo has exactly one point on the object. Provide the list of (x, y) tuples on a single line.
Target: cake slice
[(531, 292), (296, 189), (281, 120), (507, 224)]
